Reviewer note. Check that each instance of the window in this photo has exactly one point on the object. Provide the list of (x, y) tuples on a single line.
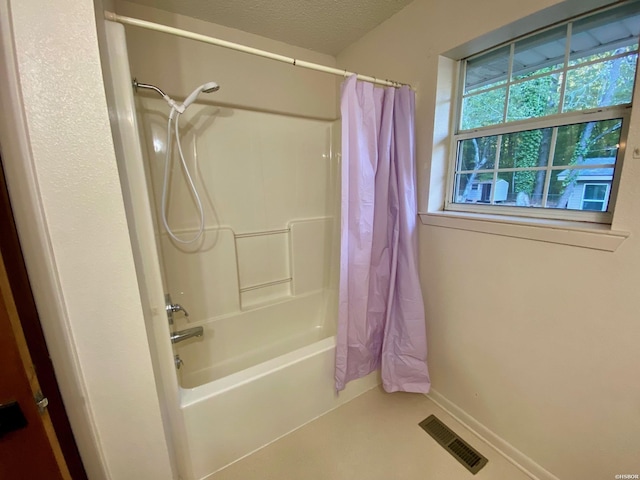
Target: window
[(594, 196), (540, 120)]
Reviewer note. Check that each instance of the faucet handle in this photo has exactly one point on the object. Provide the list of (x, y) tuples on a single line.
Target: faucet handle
[(178, 361), (176, 307), (171, 308)]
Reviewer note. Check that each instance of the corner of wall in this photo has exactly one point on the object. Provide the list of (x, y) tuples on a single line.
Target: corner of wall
[(504, 448)]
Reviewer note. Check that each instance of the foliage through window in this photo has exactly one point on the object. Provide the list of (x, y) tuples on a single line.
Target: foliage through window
[(541, 120)]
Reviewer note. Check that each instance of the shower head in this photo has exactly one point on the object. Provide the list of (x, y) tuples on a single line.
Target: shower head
[(206, 88), (210, 87)]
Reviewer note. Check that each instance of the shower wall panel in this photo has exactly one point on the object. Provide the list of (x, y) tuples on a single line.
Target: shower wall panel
[(267, 183)]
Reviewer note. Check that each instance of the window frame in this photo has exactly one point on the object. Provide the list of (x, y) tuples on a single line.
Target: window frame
[(553, 121)]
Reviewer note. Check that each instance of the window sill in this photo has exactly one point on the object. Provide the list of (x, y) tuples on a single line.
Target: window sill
[(577, 234)]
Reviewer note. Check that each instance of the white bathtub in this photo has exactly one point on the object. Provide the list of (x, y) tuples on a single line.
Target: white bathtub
[(235, 403), (236, 342)]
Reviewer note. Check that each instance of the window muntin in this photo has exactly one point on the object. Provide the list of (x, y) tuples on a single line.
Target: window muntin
[(523, 117)]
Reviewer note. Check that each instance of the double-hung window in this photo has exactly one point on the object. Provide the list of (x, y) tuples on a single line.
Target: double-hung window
[(541, 120)]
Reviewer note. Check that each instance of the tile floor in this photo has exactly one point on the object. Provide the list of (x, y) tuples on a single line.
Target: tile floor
[(374, 437)]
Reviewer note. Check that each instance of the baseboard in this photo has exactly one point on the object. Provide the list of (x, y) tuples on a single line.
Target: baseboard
[(508, 451)]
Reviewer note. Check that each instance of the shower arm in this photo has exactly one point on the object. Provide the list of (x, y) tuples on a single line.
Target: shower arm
[(138, 85), (173, 104)]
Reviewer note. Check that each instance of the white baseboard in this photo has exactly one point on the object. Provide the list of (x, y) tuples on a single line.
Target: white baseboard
[(508, 451)]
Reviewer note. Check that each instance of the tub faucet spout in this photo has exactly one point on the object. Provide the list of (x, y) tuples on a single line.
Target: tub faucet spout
[(181, 335)]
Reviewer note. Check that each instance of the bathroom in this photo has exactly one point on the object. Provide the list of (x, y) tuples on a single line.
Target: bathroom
[(518, 343)]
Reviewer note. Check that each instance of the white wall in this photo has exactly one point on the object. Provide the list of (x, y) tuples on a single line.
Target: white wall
[(64, 185), (536, 341)]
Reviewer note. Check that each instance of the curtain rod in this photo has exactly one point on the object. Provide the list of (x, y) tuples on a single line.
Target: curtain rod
[(243, 48)]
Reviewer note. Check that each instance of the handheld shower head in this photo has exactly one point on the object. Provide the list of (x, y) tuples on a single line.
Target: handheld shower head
[(206, 88), (210, 87)]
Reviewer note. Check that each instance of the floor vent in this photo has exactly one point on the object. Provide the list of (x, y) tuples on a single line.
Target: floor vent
[(461, 450)]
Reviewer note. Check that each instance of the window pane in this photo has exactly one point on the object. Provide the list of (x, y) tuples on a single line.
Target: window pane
[(525, 149), (600, 36), (601, 84), (487, 70), (477, 153), (534, 98), (539, 53), (595, 192), (594, 206), (517, 189), (596, 142), (566, 189), (483, 109)]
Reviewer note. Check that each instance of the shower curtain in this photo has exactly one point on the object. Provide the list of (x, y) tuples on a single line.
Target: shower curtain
[(381, 321)]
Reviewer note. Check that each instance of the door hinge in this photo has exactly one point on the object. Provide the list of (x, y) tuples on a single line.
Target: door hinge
[(42, 402)]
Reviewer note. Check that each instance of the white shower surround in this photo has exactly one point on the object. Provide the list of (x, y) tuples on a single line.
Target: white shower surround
[(222, 420)]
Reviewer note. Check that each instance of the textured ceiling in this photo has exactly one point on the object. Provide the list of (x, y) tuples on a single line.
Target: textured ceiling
[(326, 26)]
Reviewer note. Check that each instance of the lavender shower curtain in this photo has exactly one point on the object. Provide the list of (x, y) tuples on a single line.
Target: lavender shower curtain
[(381, 321)]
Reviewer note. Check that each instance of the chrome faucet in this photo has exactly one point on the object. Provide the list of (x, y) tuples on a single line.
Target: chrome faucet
[(171, 308), (181, 335)]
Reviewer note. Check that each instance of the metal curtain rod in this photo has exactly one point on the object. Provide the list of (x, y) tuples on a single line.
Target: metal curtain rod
[(243, 48)]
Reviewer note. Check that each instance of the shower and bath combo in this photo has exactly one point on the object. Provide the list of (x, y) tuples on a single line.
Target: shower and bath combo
[(178, 109)]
